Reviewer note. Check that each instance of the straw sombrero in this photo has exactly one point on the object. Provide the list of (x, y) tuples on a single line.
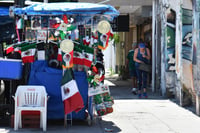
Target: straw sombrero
[(66, 46), (103, 26)]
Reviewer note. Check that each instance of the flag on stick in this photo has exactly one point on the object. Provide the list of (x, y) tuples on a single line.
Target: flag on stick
[(71, 97)]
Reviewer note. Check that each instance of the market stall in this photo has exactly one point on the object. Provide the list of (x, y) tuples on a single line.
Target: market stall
[(61, 43)]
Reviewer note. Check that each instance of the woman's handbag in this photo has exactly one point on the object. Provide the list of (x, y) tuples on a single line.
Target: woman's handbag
[(145, 67)]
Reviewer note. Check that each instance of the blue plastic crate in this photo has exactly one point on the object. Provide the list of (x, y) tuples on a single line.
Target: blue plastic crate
[(10, 69)]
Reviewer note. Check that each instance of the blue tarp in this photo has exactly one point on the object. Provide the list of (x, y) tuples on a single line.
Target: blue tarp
[(4, 11), (49, 77), (67, 8)]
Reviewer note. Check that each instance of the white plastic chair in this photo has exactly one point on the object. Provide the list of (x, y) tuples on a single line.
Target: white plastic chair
[(30, 98)]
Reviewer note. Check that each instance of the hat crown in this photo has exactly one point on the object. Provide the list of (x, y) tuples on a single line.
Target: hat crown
[(141, 45)]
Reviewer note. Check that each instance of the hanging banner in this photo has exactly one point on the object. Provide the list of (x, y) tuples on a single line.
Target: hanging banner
[(98, 90)]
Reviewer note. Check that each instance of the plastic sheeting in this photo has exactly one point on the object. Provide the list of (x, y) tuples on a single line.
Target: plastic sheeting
[(67, 8), (4, 11), (49, 77)]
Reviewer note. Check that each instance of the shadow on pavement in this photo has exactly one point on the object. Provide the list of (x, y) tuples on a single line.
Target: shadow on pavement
[(109, 126)]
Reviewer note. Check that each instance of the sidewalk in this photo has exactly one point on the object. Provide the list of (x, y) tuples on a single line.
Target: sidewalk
[(131, 115), (152, 115)]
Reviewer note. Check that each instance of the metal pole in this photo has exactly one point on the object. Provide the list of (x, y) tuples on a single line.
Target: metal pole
[(153, 46), (163, 48), (45, 1)]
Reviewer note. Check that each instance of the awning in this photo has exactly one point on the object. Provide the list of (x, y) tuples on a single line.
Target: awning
[(67, 8), (4, 11)]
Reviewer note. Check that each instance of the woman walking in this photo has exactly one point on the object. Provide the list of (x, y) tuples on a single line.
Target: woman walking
[(141, 55)]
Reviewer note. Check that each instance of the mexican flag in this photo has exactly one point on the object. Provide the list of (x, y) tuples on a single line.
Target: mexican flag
[(67, 60), (15, 48), (78, 56), (71, 97), (103, 40), (28, 53), (88, 56)]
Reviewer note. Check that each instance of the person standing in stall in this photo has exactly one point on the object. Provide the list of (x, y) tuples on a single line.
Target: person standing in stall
[(141, 55)]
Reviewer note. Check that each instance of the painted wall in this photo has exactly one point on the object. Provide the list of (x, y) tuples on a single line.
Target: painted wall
[(171, 35), (196, 46), (187, 51), (179, 51)]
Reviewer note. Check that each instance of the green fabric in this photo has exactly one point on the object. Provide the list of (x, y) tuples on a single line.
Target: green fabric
[(29, 46), (72, 27), (67, 76), (131, 63), (21, 45)]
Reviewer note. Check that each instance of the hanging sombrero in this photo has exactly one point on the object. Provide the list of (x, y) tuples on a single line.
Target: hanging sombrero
[(67, 46), (103, 27)]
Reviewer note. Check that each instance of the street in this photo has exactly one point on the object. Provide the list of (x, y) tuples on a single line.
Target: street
[(132, 115)]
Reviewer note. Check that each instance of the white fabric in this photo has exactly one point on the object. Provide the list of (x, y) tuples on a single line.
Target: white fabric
[(41, 55), (31, 52), (73, 89)]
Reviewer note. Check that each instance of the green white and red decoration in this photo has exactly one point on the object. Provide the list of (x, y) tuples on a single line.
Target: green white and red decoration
[(103, 40), (67, 47), (78, 56), (28, 53), (9, 49), (88, 56), (67, 60), (71, 97), (104, 30)]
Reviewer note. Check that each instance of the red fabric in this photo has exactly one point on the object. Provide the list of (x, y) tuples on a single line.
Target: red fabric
[(85, 42), (59, 57), (9, 50), (28, 59), (78, 61), (65, 19), (87, 62), (56, 26), (30, 112), (102, 78), (95, 37), (94, 69), (73, 103)]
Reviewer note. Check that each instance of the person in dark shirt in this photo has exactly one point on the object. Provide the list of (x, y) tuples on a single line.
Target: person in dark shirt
[(131, 65)]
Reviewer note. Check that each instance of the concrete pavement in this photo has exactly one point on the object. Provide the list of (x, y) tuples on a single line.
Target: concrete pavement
[(132, 115), (152, 115)]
